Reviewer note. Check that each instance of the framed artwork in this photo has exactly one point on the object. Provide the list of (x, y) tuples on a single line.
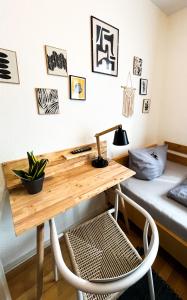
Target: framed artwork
[(77, 87), (8, 66), (143, 86), (137, 66), (56, 60), (146, 105), (47, 100), (105, 41)]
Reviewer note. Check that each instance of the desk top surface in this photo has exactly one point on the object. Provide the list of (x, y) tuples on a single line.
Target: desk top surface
[(61, 192)]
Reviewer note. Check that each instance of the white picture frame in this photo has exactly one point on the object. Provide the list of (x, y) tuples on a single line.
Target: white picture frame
[(8, 66), (56, 60), (47, 101), (146, 106)]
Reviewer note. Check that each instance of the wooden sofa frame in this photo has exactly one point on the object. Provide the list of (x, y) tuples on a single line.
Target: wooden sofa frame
[(173, 244)]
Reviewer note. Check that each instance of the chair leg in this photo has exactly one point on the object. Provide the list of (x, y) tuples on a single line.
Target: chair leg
[(149, 273), (4, 291), (124, 211), (79, 295), (55, 269), (151, 285)]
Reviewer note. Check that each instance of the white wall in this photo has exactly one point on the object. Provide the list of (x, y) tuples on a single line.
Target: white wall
[(174, 106), (26, 26)]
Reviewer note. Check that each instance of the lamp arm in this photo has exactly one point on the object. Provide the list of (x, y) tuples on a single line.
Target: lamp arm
[(98, 146), (120, 139), (107, 130)]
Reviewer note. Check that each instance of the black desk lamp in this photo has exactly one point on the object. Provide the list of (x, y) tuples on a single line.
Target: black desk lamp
[(120, 139)]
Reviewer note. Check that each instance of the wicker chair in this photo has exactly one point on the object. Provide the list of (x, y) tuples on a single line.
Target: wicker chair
[(104, 260)]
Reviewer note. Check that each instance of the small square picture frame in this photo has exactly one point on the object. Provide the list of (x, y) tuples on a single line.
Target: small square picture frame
[(143, 86), (56, 61), (77, 87), (146, 106), (47, 101)]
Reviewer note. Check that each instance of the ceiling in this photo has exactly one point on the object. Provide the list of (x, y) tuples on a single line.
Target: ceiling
[(170, 6)]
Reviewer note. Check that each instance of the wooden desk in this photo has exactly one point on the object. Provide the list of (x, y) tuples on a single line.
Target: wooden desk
[(62, 191)]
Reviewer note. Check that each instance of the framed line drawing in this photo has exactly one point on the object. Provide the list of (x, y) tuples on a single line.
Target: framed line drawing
[(8, 66), (56, 60), (137, 66), (105, 43), (143, 86), (146, 105), (47, 100), (77, 86)]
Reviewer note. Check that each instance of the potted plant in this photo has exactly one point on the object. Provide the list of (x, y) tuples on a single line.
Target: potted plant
[(34, 177)]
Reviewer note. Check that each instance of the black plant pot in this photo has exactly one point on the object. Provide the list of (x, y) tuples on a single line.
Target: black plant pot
[(35, 186)]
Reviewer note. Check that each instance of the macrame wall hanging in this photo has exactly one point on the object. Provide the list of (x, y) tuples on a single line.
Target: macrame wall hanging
[(128, 98)]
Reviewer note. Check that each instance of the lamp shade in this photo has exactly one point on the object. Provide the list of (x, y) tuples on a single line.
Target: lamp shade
[(120, 137)]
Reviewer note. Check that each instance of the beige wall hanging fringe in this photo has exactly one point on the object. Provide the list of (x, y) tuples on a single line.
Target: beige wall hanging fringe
[(128, 98)]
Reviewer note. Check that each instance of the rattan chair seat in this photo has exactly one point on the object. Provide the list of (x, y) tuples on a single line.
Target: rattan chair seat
[(100, 251)]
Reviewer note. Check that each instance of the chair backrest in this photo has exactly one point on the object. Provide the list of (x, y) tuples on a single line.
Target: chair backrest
[(116, 285)]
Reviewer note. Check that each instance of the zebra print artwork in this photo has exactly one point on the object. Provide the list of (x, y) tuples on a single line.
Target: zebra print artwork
[(48, 103), (56, 61), (8, 66)]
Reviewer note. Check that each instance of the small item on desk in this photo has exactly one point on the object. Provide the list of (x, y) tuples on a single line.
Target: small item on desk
[(34, 177), (82, 149)]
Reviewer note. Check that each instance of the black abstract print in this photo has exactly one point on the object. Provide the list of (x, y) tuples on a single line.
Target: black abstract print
[(48, 101), (105, 48), (56, 60), (105, 40), (4, 64)]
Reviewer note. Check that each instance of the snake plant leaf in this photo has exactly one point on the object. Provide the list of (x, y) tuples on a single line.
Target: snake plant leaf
[(42, 165), (22, 174), (35, 171), (31, 161), (33, 157)]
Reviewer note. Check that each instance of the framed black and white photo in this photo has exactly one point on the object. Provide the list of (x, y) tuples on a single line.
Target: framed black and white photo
[(8, 66), (77, 87), (137, 66), (105, 41), (143, 86), (47, 100), (146, 105), (56, 60)]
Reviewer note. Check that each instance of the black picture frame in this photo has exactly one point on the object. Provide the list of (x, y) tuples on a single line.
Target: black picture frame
[(105, 52), (143, 86), (77, 87)]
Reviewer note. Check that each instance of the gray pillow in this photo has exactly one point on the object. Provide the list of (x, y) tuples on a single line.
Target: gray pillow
[(179, 193), (148, 163)]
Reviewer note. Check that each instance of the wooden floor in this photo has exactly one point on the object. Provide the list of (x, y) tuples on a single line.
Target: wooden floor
[(22, 280)]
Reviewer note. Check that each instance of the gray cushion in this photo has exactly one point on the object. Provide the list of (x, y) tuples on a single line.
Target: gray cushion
[(148, 163), (179, 193)]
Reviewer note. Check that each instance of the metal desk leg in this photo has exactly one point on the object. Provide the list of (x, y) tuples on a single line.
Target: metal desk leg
[(40, 260), (124, 211)]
